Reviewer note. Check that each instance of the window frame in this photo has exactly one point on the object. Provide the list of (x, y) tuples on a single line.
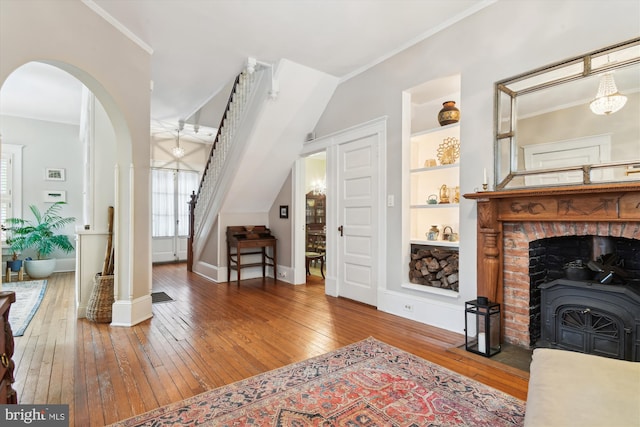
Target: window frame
[(179, 217), (14, 152)]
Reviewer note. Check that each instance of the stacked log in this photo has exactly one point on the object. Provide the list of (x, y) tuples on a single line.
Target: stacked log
[(437, 267)]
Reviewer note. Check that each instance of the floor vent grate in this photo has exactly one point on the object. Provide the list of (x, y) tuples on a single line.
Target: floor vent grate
[(157, 297)]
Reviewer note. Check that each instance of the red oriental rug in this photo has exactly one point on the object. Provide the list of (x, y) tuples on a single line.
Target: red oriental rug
[(368, 383)]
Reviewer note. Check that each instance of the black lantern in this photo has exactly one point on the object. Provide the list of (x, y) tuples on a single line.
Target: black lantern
[(482, 327)]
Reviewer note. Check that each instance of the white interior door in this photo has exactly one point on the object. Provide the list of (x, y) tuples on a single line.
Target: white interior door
[(357, 203), (584, 151)]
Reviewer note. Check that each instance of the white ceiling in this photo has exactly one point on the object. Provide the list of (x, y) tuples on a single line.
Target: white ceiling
[(198, 46)]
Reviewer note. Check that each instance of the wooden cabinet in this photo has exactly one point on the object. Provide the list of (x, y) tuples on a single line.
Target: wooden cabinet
[(7, 393), (316, 209), (435, 186), (316, 213)]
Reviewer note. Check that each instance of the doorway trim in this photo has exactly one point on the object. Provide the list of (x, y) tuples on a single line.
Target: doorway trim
[(330, 143)]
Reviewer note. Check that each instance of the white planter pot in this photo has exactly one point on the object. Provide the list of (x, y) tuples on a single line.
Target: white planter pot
[(40, 268)]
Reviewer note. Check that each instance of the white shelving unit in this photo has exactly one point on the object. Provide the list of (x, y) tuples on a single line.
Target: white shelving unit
[(427, 181)]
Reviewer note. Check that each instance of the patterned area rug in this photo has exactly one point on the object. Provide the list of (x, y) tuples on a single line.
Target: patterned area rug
[(369, 383), (29, 295)]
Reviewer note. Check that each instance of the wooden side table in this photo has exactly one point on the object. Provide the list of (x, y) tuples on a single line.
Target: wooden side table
[(256, 239)]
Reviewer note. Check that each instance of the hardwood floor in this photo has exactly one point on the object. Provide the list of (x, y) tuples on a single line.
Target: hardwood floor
[(211, 335)]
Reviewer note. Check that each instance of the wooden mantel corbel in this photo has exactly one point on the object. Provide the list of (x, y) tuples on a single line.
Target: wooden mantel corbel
[(619, 202)]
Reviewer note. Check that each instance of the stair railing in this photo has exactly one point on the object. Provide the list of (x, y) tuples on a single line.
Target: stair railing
[(229, 124)]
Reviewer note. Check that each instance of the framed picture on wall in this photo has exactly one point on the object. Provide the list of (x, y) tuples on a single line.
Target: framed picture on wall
[(284, 211), (52, 196), (54, 174)]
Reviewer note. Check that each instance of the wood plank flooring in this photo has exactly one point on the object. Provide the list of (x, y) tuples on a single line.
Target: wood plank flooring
[(210, 335)]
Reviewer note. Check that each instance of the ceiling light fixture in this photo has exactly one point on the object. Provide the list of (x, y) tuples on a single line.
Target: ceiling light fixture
[(608, 100), (177, 151)]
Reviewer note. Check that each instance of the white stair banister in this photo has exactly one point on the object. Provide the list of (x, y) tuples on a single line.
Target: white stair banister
[(242, 94)]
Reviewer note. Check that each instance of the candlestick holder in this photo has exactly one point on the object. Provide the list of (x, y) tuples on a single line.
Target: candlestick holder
[(485, 187)]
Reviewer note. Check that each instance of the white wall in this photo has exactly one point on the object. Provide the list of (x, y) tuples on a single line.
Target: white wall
[(282, 229), (503, 40), (72, 37), (104, 159), (315, 172), (47, 145)]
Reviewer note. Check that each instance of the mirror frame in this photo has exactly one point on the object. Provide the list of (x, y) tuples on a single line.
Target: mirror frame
[(506, 97)]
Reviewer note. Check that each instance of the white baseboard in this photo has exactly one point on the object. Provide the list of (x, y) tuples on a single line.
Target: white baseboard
[(219, 274), (285, 274), (445, 315), (81, 312), (130, 313), (64, 265), (206, 270)]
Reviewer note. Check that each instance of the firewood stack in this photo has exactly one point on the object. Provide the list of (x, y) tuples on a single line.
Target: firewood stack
[(435, 267)]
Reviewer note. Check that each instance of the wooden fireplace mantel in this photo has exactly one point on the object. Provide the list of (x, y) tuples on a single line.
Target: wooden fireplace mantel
[(618, 202)]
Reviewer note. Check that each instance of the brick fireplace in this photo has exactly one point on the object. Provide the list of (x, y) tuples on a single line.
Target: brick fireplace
[(517, 281), (508, 221)]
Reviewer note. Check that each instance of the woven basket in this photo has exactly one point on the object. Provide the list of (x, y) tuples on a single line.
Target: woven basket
[(101, 300)]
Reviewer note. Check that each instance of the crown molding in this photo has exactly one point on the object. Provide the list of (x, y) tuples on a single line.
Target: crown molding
[(118, 25)]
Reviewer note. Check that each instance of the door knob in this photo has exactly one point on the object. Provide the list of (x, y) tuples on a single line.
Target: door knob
[(341, 229)]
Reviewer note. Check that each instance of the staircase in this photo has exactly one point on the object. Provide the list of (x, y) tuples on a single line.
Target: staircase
[(259, 139)]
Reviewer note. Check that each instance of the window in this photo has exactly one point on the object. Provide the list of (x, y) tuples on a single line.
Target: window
[(5, 189), (187, 183), (10, 183), (171, 192)]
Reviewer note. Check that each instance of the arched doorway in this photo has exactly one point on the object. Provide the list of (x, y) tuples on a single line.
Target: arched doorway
[(57, 124)]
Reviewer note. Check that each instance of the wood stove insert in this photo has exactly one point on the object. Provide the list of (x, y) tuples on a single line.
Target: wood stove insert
[(590, 317)]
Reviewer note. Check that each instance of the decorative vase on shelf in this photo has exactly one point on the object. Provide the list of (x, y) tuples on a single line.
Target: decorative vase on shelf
[(444, 194), (433, 233), (449, 113)]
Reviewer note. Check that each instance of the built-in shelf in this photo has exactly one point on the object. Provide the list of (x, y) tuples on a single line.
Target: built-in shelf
[(428, 183), (434, 168), (432, 171), (435, 130), (436, 206), (431, 290), (445, 243)]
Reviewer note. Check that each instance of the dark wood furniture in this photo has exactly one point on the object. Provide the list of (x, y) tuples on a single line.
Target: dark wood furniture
[(316, 209), (316, 240), (7, 394), (313, 257), (250, 240), (316, 248), (316, 217)]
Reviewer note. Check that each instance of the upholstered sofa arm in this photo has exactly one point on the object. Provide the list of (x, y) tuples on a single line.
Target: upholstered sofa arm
[(574, 389)]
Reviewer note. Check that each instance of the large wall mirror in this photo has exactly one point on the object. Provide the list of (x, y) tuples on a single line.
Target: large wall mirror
[(572, 123)]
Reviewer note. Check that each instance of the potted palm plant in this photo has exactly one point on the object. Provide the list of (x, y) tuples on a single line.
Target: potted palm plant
[(41, 236)]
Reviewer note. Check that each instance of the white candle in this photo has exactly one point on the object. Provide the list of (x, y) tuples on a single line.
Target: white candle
[(484, 180), (482, 345)]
